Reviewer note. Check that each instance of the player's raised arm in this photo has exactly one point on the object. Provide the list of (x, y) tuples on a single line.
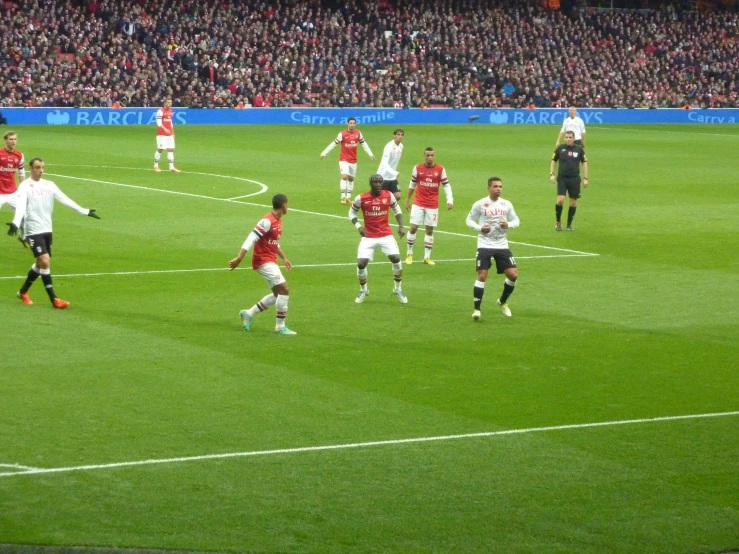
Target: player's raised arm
[(67, 201)]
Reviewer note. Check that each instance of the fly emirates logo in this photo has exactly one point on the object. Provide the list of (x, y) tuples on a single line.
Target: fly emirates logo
[(429, 183)]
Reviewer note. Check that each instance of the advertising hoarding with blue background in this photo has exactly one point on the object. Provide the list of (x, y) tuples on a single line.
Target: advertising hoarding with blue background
[(365, 116)]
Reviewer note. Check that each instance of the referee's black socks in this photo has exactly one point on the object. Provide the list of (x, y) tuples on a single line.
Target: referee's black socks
[(571, 215), (558, 211)]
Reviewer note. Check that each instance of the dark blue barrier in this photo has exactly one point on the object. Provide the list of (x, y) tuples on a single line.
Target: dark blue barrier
[(365, 116)]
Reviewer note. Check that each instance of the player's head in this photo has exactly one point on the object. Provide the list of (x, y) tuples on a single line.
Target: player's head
[(279, 203), (11, 139), (398, 135), (570, 138), (429, 156), (573, 112), (351, 123), (376, 184), (495, 187), (167, 102), (37, 168)]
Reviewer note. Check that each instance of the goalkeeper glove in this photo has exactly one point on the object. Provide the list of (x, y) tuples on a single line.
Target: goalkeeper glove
[(13, 229)]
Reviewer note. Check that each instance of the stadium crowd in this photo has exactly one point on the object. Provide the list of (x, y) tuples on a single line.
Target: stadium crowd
[(460, 53)]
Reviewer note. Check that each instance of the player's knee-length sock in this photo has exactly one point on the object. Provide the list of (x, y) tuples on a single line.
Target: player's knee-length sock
[(281, 307), (262, 305), (32, 276), (170, 159), (428, 244), (411, 241), (478, 292), (349, 189), (571, 215), (398, 275), (343, 185), (558, 211), (508, 287), (157, 156), (362, 276), (46, 278)]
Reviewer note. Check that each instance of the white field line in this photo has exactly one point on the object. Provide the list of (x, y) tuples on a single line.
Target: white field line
[(262, 187), (18, 466), (342, 264), (357, 445), (335, 216)]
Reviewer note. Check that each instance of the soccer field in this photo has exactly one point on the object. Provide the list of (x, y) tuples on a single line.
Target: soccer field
[(603, 417)]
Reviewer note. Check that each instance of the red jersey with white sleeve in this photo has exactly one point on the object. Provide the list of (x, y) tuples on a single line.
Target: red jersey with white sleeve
[(268, 231), (164, 123), (427, 181), (375, 211), (349, 141), (10, 163)]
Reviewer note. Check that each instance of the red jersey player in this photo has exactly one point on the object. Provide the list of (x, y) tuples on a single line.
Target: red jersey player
[(426, 180), (11, 161), (376, 233), (165, 135), (349, 140), (265, 237)]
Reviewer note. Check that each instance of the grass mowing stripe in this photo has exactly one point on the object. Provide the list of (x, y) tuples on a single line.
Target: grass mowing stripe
[(303, 266), (392, 442)]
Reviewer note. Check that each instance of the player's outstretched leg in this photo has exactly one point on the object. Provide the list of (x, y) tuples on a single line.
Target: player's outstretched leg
[(261, 306)]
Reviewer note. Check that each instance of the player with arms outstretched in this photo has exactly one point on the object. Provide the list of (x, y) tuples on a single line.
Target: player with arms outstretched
[(36, 197), (165, 136), (265, 237), (376, 233), (349, 139), (426, 180), (491, 217), (11, 162)]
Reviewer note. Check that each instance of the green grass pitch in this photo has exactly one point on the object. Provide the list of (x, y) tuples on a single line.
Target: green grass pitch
[(633, 316)]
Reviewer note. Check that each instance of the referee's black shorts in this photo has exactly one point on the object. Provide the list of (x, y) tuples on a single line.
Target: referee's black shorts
[(569, 186)]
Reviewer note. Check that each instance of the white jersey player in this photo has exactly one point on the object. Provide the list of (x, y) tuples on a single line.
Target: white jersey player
[(389, 163), (574, 124), (36, 197), (491, 217)]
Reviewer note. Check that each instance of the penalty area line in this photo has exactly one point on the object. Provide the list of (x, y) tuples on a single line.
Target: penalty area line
[(296, 266), (358, 445)]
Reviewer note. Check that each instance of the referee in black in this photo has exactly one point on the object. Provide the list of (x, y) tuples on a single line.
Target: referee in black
[(569, 156)]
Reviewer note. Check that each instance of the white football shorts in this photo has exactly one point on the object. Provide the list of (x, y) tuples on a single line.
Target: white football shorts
[(165, 142), (428, 217), (9, 199), (345, 168), (367, 247), (271, 273)]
